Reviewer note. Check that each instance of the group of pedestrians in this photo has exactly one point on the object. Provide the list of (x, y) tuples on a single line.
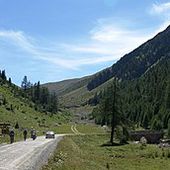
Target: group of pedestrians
[(25, 133)]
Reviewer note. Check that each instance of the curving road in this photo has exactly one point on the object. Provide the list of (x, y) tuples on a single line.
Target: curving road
[(27, 155)]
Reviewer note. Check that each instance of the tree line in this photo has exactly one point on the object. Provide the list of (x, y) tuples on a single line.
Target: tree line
[(3, 77), (144, 102), (43, 99)]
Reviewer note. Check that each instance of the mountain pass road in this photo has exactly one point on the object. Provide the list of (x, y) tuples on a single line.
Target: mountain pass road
[(27, 155)]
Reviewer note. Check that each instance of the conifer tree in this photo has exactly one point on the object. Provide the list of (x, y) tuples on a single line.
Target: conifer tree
[(10, 81), (114, 112), (53, 103), (3, 75), (167, 95), (24, 83), (169, 128)]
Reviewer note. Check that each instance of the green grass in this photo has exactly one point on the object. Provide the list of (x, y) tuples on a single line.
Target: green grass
[(90, 129), (77, 99), (64, 129), (24, 113), (82, 128), (86, 153), (66, 86)]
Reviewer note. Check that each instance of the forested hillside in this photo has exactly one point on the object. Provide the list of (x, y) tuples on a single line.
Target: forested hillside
[(144, 101), (136, 63), (147, 101), (129, 67), (43, 100), (143, 77)]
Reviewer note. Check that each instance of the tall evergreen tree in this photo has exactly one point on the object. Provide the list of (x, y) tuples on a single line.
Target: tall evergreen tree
[(167, 95), (37, 92), (25, 83), (114, 112), (10, 81), (3, 75), (53, 103), (109, 110), (44, 95), (169, 128)]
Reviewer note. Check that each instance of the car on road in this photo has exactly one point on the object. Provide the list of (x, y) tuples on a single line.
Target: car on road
[(50, 135)]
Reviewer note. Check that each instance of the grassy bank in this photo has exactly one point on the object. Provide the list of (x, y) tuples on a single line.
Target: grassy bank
[(86, 153), (90, 129), (14, 109)]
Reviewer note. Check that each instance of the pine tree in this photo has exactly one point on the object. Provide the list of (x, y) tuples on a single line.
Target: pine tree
[(44, 95), (24, 83), (53, 103), (113, 121), (169, 128), (167, 95), (109, 108), (37, 92), (10, 81), (3, 75)]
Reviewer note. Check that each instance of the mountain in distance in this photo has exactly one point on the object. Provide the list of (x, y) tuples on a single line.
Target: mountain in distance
[(66, 86), (76, 93)]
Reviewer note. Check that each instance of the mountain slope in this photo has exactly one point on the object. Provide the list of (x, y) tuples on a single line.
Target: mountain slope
[(146, 100), (75, 97), (134, 64), (16, 109), (66, 86)]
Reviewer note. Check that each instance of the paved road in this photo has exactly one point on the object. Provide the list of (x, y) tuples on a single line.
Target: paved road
[(27, 155)]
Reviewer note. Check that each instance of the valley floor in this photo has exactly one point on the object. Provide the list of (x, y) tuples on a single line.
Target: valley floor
[(85, 152)]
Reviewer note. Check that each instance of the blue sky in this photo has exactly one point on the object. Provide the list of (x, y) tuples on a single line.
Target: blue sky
[(52, 40)]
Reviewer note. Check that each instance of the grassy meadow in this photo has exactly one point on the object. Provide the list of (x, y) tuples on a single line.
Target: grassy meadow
[(85, 152), (20, 110)]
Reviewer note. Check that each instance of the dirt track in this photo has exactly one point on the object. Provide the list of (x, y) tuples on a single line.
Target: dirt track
[(27, 155)]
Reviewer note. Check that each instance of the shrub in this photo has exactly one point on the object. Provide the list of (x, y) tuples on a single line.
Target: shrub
[(16, 125), (168, 154)]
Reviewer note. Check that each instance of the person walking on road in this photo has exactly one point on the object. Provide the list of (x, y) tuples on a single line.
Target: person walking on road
[(11, 135), (33, 134), (25, 134)]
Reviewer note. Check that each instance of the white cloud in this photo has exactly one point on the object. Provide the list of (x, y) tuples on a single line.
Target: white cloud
[(53, 54), (107, 33), (118, 35), (110, 40), (159, 8), (27, 44), (162, 12), (106, 43), (162, 27), (18, 38)]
